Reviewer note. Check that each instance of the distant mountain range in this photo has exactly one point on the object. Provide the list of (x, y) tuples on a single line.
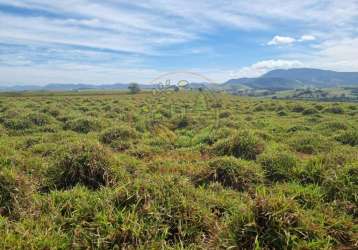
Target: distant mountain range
[(296, 78), (274, 80)]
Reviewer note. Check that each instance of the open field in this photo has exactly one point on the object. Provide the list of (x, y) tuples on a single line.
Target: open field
[(182, 170)]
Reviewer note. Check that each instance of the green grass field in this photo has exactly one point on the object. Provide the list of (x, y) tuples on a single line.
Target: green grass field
[(181, 170)]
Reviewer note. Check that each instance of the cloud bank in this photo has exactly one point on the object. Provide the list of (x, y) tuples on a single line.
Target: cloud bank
[(108, 41)]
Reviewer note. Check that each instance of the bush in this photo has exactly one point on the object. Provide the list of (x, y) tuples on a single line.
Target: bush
[(349, 137), (86, 164), (83, 125), (278, 166), (234, 173), (242, 145)]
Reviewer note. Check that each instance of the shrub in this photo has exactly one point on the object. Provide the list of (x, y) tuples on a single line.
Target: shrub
[(349, 137), (83, 125), (243, 145), (278, 166), (234, 173), (82, 163)]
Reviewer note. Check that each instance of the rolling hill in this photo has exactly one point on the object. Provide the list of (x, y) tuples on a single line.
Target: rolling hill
[(294, 78)]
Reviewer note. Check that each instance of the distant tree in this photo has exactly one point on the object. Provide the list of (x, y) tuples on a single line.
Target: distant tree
[(134, 88)]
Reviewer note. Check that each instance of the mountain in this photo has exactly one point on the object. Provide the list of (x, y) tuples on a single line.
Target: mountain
[(316, 77), (272, 83), (295, 78)]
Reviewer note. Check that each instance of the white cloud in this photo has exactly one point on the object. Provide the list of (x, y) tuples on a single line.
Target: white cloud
[(307, 38), (146, 28), (75, 73), (286, 40), (263, 67), (336, 54), (281, 40)]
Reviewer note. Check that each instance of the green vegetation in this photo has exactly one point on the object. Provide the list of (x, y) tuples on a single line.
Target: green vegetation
[(176, 171)]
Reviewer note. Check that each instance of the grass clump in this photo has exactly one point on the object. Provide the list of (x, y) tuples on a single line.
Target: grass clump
[(19, 124), (123, 133), (310, 111), (38, 119), (309, 143), (272, 222), (119, 138), (244, 145), (341, 183), (13, 189), (233, 173), (278, 166), (82, 163), (166, 203), (349, 137), (298, 108), (307, 196), (334, 110), (182, 122), (83, 125)]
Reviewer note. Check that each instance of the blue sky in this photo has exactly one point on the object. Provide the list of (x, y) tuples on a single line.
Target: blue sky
[(109, 41)]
